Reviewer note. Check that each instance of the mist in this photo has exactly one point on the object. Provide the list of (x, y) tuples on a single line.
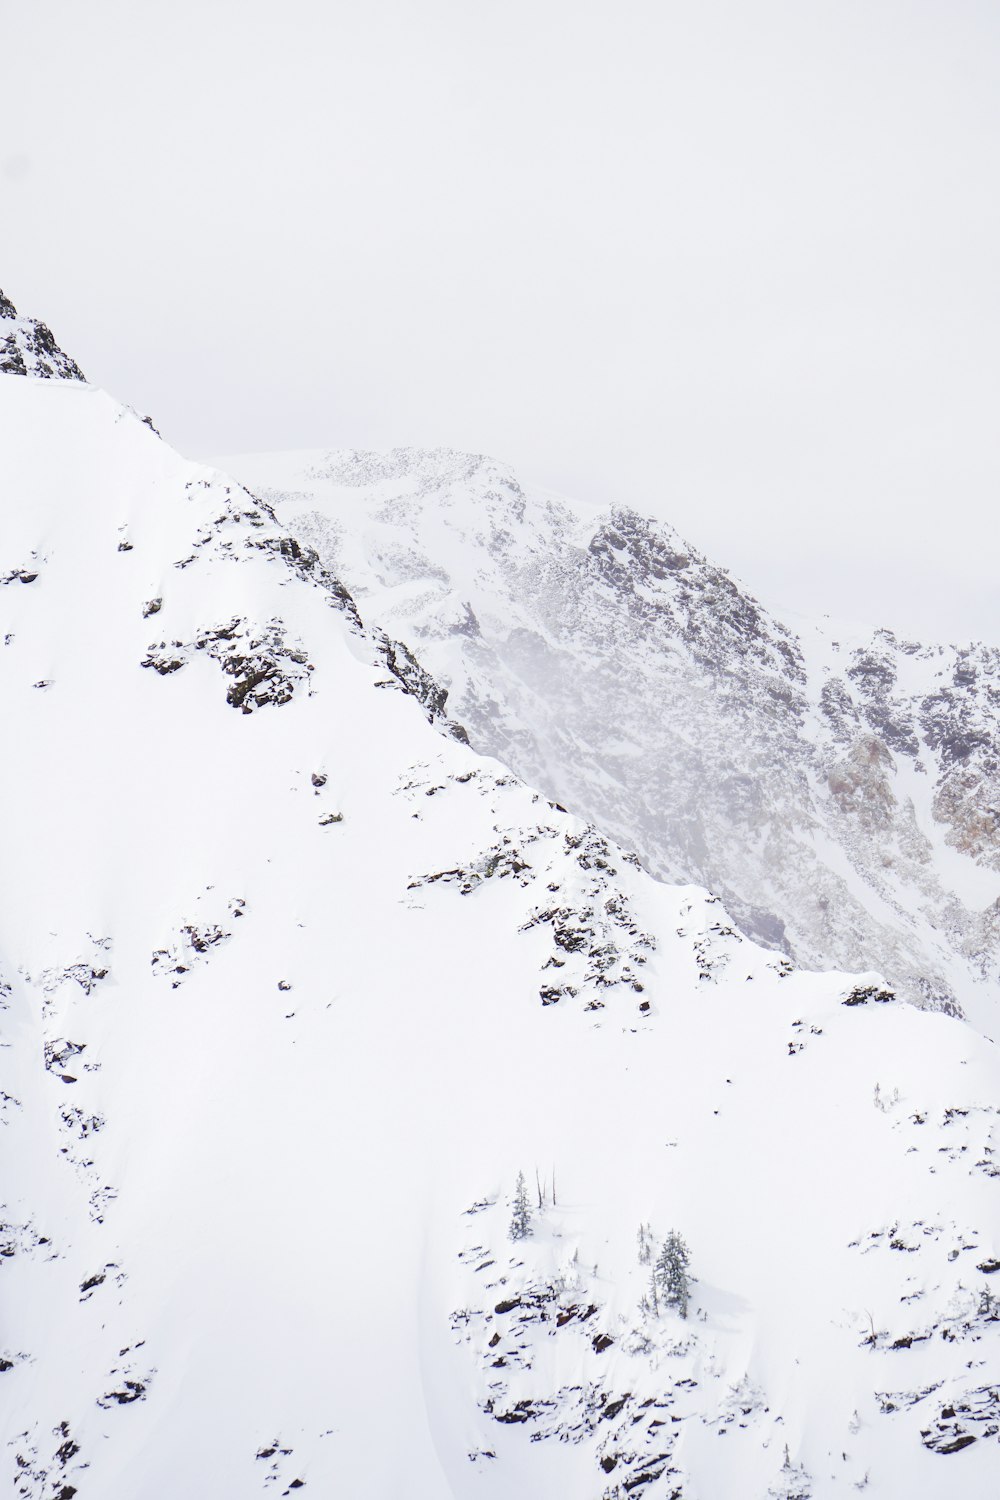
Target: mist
[(731, 265)]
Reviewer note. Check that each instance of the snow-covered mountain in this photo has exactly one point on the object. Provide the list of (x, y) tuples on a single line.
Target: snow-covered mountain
[(840, 791), (294, 985)]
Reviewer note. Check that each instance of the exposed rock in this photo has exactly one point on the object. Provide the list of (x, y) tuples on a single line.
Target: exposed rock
[(27, 347)]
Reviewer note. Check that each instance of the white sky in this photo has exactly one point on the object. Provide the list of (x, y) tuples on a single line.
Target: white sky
[(735, 263)]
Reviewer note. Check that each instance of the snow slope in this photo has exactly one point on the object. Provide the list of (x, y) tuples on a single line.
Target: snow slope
[(295, 983), (839, 791)]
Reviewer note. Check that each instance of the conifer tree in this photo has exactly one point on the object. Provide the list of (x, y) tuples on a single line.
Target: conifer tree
[(670, 1275), (520, 1219)]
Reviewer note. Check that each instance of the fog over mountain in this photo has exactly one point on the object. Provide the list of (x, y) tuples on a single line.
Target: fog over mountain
[(839, 790), (729, 265)]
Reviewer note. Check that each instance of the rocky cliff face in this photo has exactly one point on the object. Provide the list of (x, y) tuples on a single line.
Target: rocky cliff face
[(27, 347), (840, 793)]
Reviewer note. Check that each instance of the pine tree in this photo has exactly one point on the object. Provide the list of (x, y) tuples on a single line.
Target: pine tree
[(670, 1275), (520, 1219)]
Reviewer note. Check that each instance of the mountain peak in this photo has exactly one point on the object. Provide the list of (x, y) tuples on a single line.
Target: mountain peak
[(299, 994), (28, 347)]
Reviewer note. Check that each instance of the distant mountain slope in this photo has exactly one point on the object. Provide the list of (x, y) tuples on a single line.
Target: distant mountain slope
[(841, 793), (27, 347), (292, 986)]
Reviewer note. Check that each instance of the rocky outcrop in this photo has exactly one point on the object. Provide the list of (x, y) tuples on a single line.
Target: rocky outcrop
[(27, 347)]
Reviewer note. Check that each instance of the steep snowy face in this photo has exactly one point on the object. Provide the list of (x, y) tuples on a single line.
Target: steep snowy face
[(293, 985), (840, 795), (27, 347)]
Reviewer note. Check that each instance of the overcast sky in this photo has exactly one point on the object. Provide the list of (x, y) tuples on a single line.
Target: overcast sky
[(734, 262)]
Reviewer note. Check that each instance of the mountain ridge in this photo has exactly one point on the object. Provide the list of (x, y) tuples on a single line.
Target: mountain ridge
[(800, 797), (294, 984)]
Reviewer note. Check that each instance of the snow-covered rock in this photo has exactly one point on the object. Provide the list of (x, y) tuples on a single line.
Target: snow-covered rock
[(27, 347), (840, 792), (294, 984)]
